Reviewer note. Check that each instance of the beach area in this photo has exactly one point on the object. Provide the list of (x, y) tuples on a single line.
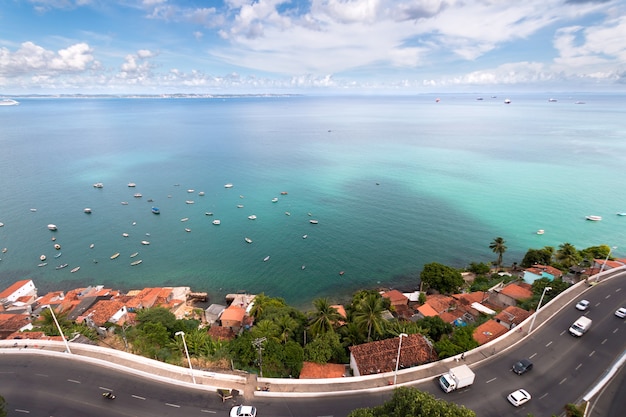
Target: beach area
[(393, 183)]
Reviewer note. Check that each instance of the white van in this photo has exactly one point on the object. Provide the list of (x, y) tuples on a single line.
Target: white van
[(580, 326)]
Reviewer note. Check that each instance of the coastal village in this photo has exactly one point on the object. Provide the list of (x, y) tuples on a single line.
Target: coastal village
[(104, 309)]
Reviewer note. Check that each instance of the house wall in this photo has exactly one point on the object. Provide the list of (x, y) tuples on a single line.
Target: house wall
[(353, 366), (28, 289)]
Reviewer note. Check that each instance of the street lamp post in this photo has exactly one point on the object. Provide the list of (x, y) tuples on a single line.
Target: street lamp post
[(530, 329), (54, 317), (395, 376), (606, 260), (182, 335)]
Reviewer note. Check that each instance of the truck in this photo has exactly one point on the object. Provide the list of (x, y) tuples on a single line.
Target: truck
[(456, 378), (580, 326)]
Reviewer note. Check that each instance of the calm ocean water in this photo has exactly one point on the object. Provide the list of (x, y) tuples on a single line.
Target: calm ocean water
[(395, 182)]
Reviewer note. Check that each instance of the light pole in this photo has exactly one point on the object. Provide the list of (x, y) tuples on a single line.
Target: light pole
[(538, 307), (395, 376), (606, 260), (54, 317), (182, 335)]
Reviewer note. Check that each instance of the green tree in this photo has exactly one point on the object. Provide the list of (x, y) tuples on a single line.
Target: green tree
[(479, 268), (435, 327), (442, 278), (411, 402), (325, 348), (596, 252), (538, 256), (325, 318), (287, 326), (567, 255), (157, 315), (369, 315), (3, 403), (498, 247)]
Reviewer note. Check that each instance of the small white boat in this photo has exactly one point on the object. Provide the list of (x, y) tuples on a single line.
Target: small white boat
[(201, 193), (507, 101), (540, 231), (594, 218), (208, 213), (92, 246), (124, 203), (132, 184), (138, 195), (137, 262), (216, 222), (75, 269), (33, 210), (239, 205), (132, 255), (42, 264), (187, 230), (62, 266), (274, 200), (115, 255), (42, 258), (57, 246), (313, 221), (52, 227), (619, 214), (252, 217), (190, 202), (145, 242), (305, 236), (184, 219), (98, 185), (303, 267), (287, 213), (58, 255), (87, 210), (125, 234), (267, 258), (9, 102), (1, 224), (229, 185), (191, 190), (247, 239)]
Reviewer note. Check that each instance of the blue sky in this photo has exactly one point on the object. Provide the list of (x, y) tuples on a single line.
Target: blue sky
[(300, 46)]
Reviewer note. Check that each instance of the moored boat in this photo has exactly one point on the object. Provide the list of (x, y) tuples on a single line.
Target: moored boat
[(137, 262), (267, 258), (132, 184), (115, 255), (156, 210), (247, 239), (540, 231), (42, 258), (138, 195), (187, 230), (229, 185), (98, 185), (75, 269), (145, 242), (42, 264), (274, 200), (87, 210), (62, 266), (252, 217), (52, 227), (57, 246), (184, 219), (189, 201), (594, 218), (313, 221), (132, 255), (216, 222)]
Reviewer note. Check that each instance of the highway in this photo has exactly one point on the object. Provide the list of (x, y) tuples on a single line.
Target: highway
[(565, 367)]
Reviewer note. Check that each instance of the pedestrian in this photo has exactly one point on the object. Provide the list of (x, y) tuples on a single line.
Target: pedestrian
[(463, 355)]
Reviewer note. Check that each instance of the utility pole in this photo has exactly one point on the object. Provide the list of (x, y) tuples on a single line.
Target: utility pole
[(258, 343)]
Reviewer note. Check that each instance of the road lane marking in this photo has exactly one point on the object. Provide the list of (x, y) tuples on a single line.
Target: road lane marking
[(172, 405), (592, 352), (17, 410), (606, 298), (138, 397), (562, 381), (43, 375), (74, 381), (618, 290), (579, 365), (549, 343), (105, 388), (543, 396), (562, 333), (208, 411), (491, 380), (533, 355), (616, 330), (604, 341)]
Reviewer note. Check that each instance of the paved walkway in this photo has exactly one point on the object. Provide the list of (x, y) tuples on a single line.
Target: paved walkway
[(246, 384)]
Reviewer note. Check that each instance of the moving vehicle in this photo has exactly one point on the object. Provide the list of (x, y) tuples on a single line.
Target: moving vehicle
[(582, 305), (621, 312), (456, 378), (243, 411), (518, 397), (580, 326), (108, 395), (522, 366)]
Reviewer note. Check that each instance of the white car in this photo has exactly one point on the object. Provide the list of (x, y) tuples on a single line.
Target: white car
[(621, 312), (582, 305), (243, 411), (518, 397)]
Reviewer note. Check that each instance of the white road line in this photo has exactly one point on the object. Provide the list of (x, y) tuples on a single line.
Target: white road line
[(579, 365), (105, 388), (592, 352), (562, 381), (491, 380), (604, 341), (17, 410), (543, 396), (138, 397), (616, 330), (606, 298), (562, 333), (44, 375), (74, 381), (172, 405), (533, 355), (549, 343), (208, 411), (618, 290)]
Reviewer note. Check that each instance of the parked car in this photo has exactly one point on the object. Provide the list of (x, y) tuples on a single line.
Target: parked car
[(519, 397), (243, 411), (582, 305), (621, 312), (522, 366)]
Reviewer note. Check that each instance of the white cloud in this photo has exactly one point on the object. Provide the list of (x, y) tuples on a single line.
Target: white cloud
[(31, 58)]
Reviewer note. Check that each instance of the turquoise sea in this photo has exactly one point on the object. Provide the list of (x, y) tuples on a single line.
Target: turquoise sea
[(395, 183)]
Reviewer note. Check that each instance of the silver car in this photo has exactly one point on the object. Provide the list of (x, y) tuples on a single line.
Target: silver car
[(519, 397), (621, 312)]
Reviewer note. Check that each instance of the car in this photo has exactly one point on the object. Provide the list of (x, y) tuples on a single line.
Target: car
[(621, 312), (582, 305), (522, 366), (243, 411), (519, 397)]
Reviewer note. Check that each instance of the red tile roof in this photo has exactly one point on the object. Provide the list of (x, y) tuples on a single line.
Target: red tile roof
[(427, 311), (440, 302), (396, 297), (518, 292), (233, 313), (488, 331), (14, 287), (380, 356), (512, 315), (103, 310)]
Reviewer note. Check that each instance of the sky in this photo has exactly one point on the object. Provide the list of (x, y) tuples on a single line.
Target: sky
[(306, 46)]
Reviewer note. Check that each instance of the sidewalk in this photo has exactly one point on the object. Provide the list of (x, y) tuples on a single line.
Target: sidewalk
[(246, 384)]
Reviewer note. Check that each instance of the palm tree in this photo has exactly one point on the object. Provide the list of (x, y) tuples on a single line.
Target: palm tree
[(498, 246), (325, 317), (286, 327), (568, 255), (369, 315)]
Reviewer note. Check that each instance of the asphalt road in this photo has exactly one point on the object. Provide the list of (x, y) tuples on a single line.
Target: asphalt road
[(565, 367)]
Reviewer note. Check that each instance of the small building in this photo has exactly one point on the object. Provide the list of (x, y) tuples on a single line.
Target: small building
[(380, 356), (212, 313), (511, 317), (511, 294), (233, 318), (19, 289), (488, 331)]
